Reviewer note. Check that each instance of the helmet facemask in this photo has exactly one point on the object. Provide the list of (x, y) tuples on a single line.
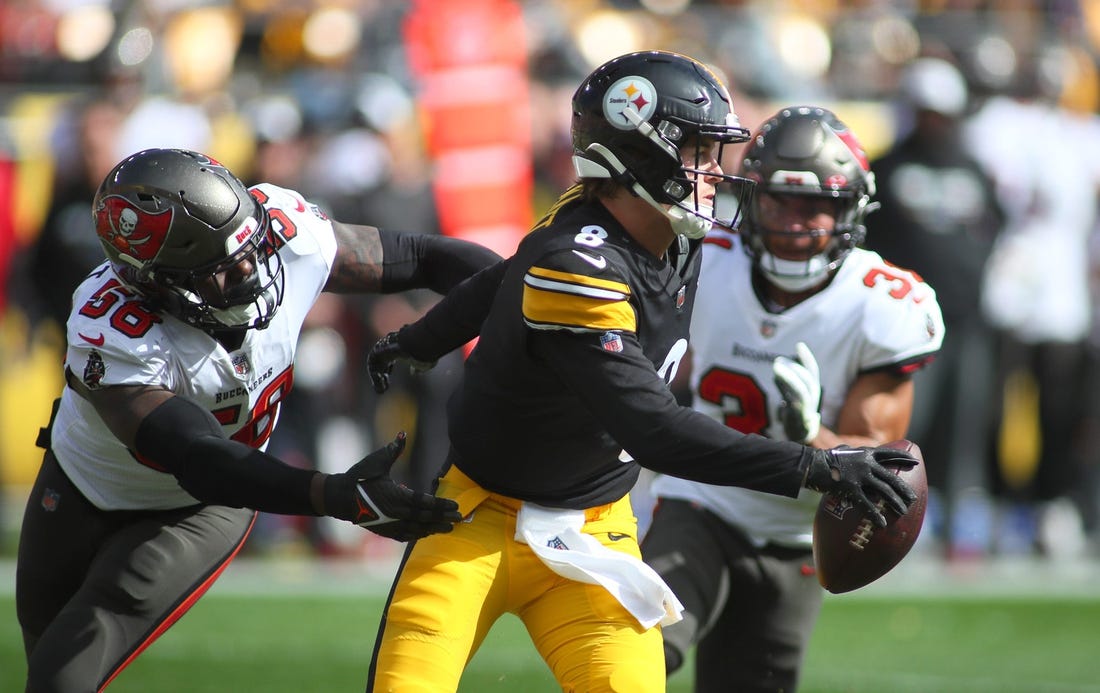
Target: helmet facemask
[(241, 292), (796, 274), (805, 153)]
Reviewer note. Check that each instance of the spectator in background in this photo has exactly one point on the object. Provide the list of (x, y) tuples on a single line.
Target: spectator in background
[(1045, 162), (65, 249), (939, 217)]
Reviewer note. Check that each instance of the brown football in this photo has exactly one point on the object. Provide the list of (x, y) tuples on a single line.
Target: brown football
[(849, 550)]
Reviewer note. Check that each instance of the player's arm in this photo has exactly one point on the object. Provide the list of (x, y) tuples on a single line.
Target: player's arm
[(176, 435), (900, 337), (876, 411), (372, 260), (450, 323), (622, 390), (876, 408)]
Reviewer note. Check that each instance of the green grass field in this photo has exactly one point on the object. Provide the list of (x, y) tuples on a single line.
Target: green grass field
[(902, 641)]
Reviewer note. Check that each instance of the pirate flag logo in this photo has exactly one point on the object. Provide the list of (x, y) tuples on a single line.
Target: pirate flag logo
[(130, 230)]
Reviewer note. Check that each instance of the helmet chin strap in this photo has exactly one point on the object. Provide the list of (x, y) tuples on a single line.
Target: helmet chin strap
[(793, 275), (238, 316), (684, 220), (688, 223)]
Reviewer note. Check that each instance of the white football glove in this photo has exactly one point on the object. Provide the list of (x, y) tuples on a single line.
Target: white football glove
[(799, 382)]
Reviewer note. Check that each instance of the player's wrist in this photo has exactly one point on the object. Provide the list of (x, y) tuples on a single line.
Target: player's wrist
[(317, 493), (812, 423), (819, 471), (413, 342)]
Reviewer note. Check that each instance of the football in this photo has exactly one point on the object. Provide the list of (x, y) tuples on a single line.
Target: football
[(849, 550)]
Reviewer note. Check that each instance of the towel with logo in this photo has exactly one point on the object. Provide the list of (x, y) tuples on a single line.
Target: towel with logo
[(556, 538)]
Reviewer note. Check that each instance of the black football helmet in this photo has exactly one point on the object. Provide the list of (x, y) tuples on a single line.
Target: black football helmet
[(631, 117), (183, 231), (807, 150)]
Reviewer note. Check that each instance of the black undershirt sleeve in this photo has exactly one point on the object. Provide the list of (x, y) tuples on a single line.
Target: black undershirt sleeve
[(640, 412), (422, 260), (187, 441), (456, 319)]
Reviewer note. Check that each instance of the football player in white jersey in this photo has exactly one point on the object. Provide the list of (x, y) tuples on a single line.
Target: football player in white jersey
[(180, 350), (768, 357)]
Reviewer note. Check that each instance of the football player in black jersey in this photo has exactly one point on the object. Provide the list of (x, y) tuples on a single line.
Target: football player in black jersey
[(566, 396)]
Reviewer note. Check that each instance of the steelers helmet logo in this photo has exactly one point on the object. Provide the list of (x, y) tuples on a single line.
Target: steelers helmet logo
[(629, 102)]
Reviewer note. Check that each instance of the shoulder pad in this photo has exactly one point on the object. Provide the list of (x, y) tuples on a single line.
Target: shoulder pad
[(902, 317), (295, 219), (580, 290), (100, 355)]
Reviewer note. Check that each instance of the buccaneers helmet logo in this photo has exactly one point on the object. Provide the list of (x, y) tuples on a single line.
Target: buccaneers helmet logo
[(130, 230)]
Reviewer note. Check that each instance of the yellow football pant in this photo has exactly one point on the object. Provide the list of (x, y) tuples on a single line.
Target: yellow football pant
[(454, 586)]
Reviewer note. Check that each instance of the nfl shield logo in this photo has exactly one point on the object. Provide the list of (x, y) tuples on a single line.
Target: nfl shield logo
[(836, 507), (611, 341), (767, 328), (50, 499), (240, 364), (680, 295), (558, 544)]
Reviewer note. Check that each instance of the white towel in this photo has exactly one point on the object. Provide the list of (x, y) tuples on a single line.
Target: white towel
[(556, 538)]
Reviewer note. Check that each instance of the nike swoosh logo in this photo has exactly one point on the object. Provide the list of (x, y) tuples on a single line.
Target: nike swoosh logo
[(617, 536), (299, 203), (598, 263), (94, 341)]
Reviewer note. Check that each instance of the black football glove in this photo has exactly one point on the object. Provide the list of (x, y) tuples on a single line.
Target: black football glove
[(386, 352), (856, 474), (366, 495)]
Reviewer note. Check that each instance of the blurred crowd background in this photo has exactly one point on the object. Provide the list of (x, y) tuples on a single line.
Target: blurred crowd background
[(452, 116)]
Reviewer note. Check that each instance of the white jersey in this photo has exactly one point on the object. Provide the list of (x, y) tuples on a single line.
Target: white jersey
[(871, 316), (115, 340)]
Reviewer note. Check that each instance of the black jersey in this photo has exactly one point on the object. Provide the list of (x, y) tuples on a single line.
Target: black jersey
[(566, 392)]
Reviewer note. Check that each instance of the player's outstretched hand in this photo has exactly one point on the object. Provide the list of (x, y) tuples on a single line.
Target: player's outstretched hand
[(366, 495), (858, 474), (799, 381), (386, 352), (380, 361)]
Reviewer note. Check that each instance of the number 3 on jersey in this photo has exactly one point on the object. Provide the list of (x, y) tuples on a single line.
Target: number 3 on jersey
[(743, 403)]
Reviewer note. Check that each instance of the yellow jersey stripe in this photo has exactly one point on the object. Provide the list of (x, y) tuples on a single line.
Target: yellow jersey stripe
[(547, 308)]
